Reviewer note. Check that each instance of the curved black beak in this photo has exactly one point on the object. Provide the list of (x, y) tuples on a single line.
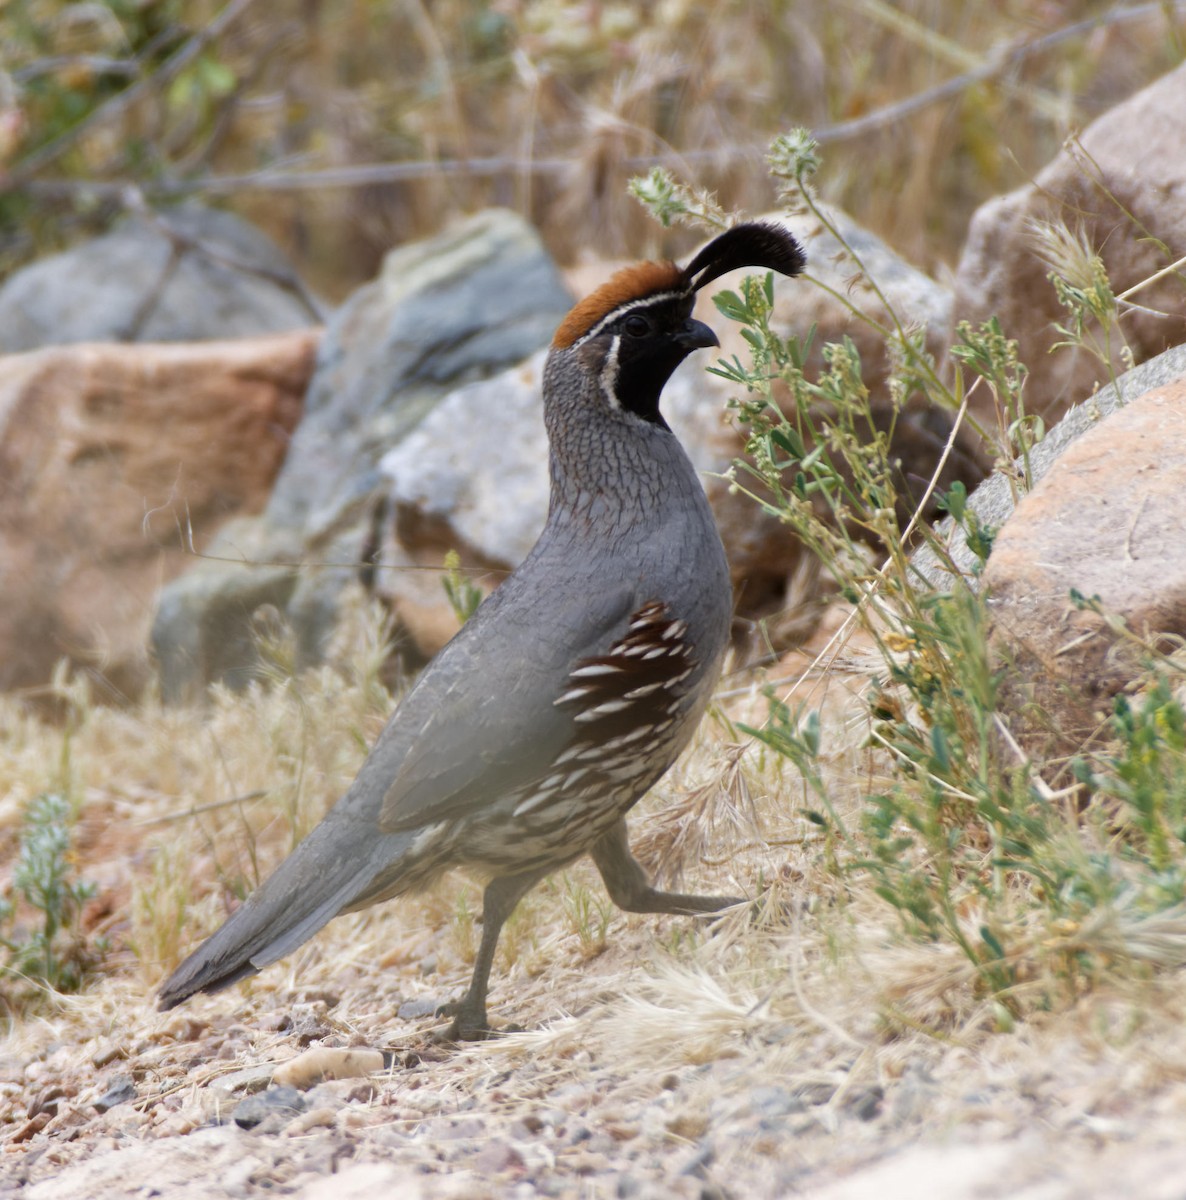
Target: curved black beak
[(695, 335)]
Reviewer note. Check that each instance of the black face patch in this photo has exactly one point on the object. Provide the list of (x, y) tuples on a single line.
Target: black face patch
[(639, 348)]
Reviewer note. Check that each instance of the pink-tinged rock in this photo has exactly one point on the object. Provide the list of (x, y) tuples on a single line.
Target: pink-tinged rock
[(1105, 521), (109, 456), (1123, 186)]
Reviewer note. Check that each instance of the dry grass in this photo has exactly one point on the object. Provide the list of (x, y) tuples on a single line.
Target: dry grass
[(655, 1027), (550, 107), (664, 1026)]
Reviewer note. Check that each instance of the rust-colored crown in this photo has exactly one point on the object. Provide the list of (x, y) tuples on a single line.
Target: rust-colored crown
[(630, 283), (753, 244)]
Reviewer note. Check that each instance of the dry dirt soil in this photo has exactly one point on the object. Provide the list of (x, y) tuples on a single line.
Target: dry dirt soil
[(798, 1048)]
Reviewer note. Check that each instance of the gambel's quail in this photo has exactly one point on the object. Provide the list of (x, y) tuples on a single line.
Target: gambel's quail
[(572, 689)]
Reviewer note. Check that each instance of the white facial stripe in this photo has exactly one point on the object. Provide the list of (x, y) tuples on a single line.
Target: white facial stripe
[(623, 309), (609, 375)]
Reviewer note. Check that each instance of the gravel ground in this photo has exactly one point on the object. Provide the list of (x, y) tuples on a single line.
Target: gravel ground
[(1089, 1104)]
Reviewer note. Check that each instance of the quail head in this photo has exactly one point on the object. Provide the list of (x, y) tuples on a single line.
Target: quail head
[(572, 689)]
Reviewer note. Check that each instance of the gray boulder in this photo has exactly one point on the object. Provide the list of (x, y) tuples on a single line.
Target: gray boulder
[(191, 274), (443, 312), (473, 476)]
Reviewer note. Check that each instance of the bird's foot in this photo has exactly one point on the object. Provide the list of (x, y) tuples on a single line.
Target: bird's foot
[(469, 1024)]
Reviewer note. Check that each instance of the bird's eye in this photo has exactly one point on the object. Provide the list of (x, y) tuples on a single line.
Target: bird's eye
[(636, 325)]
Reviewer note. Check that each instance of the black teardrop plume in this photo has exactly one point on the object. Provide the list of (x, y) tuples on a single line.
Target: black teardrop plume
[(754, 244)]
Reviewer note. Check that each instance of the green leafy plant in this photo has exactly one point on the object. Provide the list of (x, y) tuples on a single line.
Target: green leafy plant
[(52, 948), (1140, 781), (958, 832), (463, 594), (588, 916)]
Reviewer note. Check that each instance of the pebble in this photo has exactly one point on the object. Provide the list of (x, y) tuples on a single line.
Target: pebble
[(527, 1126), (865, 1103), (323, 1063), (315, 1118), (107, 1054), (498, 1157), (122, 1090), (420, 1006), (250, 1079), (282, 1102), (181, 1027), (776, 1102), (47, 1099), (32, 1127)]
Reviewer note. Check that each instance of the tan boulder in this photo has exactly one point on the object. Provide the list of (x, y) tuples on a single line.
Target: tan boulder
[(1122, 186), (1106, 522), (111, 456)]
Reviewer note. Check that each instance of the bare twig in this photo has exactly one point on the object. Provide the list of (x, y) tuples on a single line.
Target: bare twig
[(370, 174), (52, 150), (182, 242), (1173, 268), (197, 809), (134, 326), (994, 64), (97, 63)]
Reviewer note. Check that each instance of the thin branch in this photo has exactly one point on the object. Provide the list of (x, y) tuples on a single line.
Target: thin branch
[(182, 242), (370, 174), (52, 150), (66, 62), (198, 809), (996, 63), (1173, 269)]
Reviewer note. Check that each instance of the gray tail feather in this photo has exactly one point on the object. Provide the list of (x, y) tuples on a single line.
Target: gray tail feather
[(315, 883)]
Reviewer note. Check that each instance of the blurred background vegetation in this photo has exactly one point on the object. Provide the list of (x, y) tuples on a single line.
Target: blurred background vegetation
[(343, 127)]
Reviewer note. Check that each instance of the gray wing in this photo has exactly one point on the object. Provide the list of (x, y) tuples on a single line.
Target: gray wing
[(483, 720)]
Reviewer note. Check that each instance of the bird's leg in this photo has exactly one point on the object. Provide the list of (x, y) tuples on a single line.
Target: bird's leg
[(629, 888), (498, 902)]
